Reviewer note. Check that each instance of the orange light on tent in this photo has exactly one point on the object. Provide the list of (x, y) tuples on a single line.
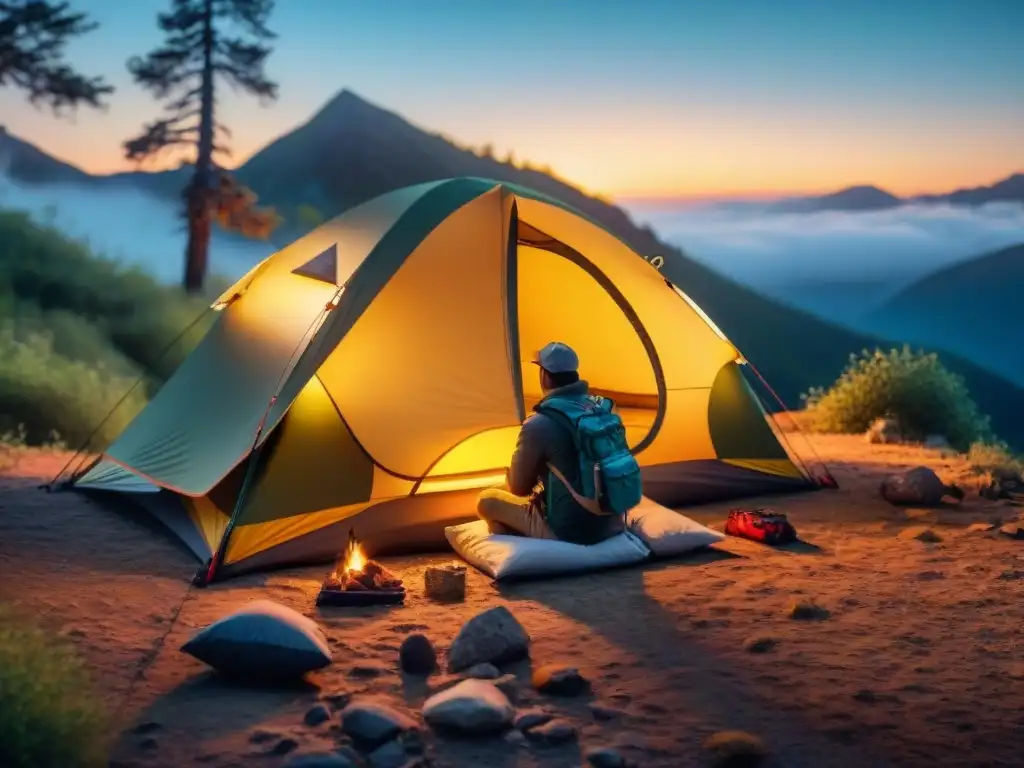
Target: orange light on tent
[(439, 484)]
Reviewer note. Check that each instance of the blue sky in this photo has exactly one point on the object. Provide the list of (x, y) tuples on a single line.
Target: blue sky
[(625, 97)]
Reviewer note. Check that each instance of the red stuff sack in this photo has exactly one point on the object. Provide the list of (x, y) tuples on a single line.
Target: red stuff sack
[(764, 525)]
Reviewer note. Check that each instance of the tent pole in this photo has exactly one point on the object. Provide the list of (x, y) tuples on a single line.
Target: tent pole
[(207, 573)]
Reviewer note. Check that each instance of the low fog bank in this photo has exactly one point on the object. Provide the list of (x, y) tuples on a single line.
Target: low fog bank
[(131, 226), (837, 264), (765, 249)]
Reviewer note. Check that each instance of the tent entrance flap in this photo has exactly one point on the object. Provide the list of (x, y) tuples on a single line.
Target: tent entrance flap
[(564, 297)]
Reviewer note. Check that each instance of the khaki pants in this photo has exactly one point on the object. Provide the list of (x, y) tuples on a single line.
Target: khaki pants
[(502, 509)]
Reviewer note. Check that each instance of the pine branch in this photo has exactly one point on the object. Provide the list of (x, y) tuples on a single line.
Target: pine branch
[(241, 63), (158, 136), (163, 70), (250, 15), (33, 36)]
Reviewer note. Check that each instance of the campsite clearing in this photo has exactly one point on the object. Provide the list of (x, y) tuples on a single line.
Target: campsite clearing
[(920, 660)]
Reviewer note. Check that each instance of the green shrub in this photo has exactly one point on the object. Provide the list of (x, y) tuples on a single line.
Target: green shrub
[(994, 457), (79, 330), (43, 393), (47, 716), (912, 387)]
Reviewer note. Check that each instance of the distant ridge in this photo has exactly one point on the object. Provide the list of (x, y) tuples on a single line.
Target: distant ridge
[(973, 308)]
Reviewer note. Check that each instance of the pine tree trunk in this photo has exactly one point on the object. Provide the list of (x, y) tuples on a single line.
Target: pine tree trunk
[(200, 191)]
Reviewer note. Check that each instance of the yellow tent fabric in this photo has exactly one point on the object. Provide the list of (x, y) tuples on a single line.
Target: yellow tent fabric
[(374, 375)]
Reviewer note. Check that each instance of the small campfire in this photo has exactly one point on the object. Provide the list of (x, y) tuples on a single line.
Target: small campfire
[(356, 580)]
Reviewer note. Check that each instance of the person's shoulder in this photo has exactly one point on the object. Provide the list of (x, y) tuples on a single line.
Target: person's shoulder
[(536, 420)]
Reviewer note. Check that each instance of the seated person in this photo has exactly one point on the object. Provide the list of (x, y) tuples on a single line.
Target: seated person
[(534, 502)]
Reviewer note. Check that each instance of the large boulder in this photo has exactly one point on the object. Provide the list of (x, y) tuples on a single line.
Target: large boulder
[(472, 707), (494, 636), (918, 487)]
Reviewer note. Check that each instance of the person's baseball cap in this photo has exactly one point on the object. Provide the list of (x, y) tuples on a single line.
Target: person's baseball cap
[(556, 357)]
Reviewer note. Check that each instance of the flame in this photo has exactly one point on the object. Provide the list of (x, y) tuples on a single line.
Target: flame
[(354, 560)]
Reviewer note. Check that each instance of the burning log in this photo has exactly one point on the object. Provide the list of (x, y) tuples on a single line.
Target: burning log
[(364, 581)]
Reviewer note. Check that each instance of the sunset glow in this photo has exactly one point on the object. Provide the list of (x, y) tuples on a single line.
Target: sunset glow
[(670, 103)]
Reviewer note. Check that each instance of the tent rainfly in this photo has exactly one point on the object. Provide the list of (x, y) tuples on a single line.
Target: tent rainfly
[(373, 375)]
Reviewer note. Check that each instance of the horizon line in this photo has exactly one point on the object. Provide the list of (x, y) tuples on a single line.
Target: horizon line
[(626, 195)]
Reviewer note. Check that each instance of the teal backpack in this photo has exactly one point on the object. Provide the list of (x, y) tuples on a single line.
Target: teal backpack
[(609, 474)]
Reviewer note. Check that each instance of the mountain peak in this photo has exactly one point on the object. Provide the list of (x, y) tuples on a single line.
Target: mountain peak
[(349, 105)]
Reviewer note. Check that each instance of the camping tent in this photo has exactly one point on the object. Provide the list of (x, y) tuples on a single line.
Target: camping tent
[(373, 375)]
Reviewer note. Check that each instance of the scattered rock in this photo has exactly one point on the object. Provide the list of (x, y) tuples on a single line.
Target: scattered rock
[(367, 670), (605, 757), (389, 755), (371, 723), (560, 681), (735, 749), (805, 610), (443, 683), (319, 760), (350, 753), (147, 727), (920, 533), (483, 671), (980, 528), (1012, 576), (918, 487), (412, 742), (493, 636), (1006, 483), (317, 715), (263, 735), (1013, 530), (337, 699), (417, 655), (759, 643), (515, 737), (531, 718), (509, 685), (555, 731), (921, 515), (471, 707), (884, 431), (284, 746), (149, 743), (603, 711)]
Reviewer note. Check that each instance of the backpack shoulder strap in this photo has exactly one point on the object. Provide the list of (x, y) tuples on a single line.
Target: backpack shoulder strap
[(592, 506)]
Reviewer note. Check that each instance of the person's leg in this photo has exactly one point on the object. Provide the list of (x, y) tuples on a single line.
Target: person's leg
[(502, 508)]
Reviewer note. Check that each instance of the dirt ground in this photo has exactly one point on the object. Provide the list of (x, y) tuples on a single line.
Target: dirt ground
[(920, 662)]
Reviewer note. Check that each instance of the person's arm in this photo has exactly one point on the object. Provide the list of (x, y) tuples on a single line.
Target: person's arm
[(529, 462)]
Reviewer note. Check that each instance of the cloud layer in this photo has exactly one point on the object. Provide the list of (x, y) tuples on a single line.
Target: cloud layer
[(766, 249)]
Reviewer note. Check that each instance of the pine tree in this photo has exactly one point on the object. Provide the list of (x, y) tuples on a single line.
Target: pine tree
[(198, 50), (33, 34)]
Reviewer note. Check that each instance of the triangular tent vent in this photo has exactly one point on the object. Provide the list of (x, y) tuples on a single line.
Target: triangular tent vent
[(321, 267)]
